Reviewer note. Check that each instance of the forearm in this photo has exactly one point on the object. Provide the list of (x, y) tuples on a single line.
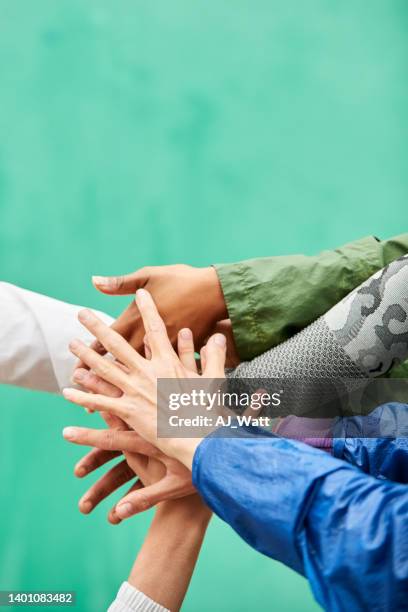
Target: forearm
[(166, 561)]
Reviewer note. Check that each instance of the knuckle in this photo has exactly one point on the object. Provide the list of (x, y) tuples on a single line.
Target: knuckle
[(89, 402), (92, 379), (80, 351), (103, 369), (89, 466), (110, 439), (155, 326), (100, 492), (113, 344), (118, 282), (126, 413), (143, 501), (185, 349)]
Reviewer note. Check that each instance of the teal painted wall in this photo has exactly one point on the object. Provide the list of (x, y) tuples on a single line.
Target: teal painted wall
[(136, 133)]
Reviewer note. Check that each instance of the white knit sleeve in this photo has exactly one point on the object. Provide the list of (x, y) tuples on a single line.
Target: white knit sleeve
[(129, 599)]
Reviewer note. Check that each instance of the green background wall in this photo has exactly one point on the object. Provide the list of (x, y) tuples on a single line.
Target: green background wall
[(136, 133)]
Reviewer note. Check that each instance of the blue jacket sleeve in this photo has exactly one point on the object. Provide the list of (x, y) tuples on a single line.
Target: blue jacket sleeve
[(344, 530), (377, 443)]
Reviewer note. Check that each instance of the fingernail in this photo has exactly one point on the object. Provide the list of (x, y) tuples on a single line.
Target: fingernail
[(186, 333), (113, 518), (78, 376), (220, 340), (141, 296), (74, 345), (102, 281), (84, 315), (67, 393), (85, 506), (124, 510), (69, 433), (80, 472)]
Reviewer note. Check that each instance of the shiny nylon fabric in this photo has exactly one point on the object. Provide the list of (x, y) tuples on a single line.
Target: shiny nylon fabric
[(343, 529), (386, 458)]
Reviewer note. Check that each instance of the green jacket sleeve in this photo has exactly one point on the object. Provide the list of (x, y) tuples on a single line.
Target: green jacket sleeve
[(270, 299)]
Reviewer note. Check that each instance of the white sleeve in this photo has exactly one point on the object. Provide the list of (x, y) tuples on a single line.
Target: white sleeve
[(35, 331), (129, 599)]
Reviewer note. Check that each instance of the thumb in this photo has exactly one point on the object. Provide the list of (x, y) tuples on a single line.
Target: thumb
[(121, 285), (145, 498), (215, 353)]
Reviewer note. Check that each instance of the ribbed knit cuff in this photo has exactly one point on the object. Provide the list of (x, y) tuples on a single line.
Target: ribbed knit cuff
[(129, 599)]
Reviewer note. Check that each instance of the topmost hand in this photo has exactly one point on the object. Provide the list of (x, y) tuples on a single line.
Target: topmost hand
[(185, 297), (136, 377)]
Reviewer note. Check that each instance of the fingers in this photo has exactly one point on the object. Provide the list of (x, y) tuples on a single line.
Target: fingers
[(93, 460), (110, 339), (110, 440), (92, 382), (112, 480), (185, 349), (95, 401), (104, 368), (155, 328), (97, 347), (129, 325), (112, 516), (113, 421), (147, 350), (215, 352), (203, 359), (121, 285), (225, 327), (147, 497)]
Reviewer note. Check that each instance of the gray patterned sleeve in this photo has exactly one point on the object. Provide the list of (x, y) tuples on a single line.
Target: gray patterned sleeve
[(365, 335)]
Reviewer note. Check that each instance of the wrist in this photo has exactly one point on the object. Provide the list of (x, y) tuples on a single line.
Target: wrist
[(176, 533), (189, 513), (182, 449), (212, 294)]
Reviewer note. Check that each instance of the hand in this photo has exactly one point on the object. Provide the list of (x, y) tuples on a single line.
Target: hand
[(160, 477), (138, 378), (185, 296), (150, 468)]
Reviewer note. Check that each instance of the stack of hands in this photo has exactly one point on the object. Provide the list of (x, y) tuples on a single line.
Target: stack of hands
[(124, 391)]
